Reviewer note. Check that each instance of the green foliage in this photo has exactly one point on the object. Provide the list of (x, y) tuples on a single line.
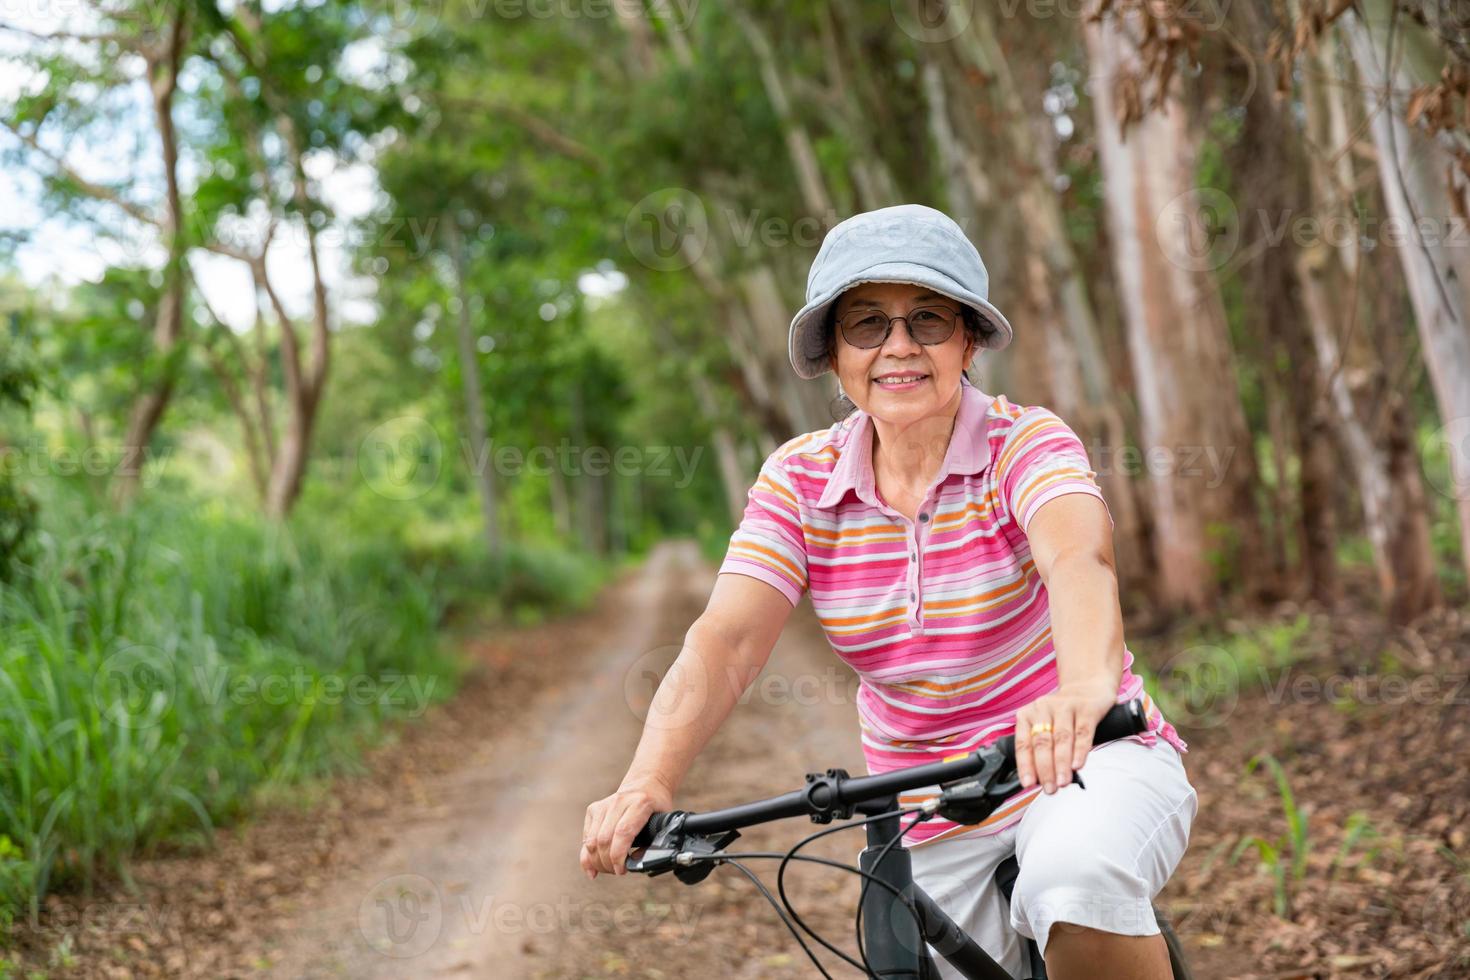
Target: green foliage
[(19, 381), (1207, 667), (1284, 857), (158, 669)]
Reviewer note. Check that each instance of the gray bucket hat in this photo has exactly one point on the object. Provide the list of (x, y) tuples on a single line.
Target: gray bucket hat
[(905, 243)]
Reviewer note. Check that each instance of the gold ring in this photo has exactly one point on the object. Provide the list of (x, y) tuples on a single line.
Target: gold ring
[(1040, 726)]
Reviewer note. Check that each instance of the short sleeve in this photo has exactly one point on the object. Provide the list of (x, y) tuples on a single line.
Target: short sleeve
[(769, 544), (1042, 458)]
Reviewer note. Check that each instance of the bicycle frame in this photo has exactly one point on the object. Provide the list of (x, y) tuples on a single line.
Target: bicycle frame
[(893, 943)]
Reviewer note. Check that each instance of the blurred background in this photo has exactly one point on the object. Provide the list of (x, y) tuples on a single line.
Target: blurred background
[(355, 355)]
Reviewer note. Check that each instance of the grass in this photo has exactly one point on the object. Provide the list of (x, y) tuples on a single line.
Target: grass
[(162, 670), (1203, 673), (1285, 857)]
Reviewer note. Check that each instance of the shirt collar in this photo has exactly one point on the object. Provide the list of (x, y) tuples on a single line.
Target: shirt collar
[(969, 450)]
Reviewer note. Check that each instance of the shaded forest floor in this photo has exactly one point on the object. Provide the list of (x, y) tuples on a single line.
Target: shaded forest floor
[(1371, 727)]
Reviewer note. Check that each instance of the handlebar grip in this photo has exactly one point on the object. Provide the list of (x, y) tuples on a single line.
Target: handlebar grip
[(1121, 721), (650, 830)]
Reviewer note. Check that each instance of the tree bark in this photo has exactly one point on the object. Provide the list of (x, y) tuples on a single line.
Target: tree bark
[(1349, 379), (168, 328), (478, 456), (1189, 405), (1414, 170)]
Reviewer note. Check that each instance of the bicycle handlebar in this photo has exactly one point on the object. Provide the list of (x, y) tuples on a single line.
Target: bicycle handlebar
[(835, 794)]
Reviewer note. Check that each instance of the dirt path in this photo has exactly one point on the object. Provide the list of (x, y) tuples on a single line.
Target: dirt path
[(479, 877), (455, 855)]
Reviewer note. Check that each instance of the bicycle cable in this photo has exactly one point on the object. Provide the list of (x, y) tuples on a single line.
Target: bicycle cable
[(723, 856), (785, 920), (864, 965), (863, 893)]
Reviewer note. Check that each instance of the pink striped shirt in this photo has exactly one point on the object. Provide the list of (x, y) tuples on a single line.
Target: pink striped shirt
[(944, 619)]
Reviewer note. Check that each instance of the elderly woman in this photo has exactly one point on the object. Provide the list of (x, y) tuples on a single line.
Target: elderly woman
[(959, 556)]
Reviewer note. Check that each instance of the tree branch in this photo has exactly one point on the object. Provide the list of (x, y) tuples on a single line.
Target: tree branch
[(90, 188), (131, 43)]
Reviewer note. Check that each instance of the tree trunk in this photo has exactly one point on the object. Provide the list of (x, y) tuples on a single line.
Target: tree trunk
[(804, 162), (1350, 373), (1189, 405), (168, 328), (1414, 170), (483, 473)]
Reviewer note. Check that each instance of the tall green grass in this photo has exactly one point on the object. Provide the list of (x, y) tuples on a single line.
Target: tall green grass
[(158, 669)]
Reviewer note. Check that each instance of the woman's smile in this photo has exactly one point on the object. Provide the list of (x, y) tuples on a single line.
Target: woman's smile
[(900, 381)]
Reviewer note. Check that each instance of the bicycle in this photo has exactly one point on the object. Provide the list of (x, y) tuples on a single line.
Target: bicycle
[(692, 845)]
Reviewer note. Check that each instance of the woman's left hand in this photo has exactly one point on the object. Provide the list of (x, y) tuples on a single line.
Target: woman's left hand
[(1073, 712)]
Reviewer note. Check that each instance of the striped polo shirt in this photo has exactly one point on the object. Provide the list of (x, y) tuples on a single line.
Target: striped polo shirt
[(945, 618)]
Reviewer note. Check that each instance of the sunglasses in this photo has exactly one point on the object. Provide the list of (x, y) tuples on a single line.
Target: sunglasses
[(928, 325)]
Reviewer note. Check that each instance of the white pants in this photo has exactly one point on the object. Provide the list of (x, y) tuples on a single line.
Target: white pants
[(1095, 856)]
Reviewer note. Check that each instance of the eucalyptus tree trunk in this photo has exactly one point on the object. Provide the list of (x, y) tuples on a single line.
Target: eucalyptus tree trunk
[(1083, 389), (163, 63), (809, 179), (1416, 172), (474, 402), (1370, 419), (1200, 458), (754, 312)]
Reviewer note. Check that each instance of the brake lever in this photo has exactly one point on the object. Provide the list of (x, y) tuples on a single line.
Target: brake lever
[(971, 799), (683, 860), (672, 850)]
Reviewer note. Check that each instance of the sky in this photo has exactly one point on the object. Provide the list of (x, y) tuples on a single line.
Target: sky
[(62, 251)]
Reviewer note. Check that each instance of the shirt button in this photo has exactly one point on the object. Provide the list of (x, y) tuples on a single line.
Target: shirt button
[(911, 597), (913, 556), (924, 517)]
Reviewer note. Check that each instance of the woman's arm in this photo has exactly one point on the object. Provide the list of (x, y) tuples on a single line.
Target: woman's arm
[(724, 651), (1071, 539)]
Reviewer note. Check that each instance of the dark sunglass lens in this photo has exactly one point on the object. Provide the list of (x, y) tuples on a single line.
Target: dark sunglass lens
[(932, 325), (865, 330)]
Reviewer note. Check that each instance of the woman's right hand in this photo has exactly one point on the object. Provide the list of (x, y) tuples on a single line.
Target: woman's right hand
[(613, 822)]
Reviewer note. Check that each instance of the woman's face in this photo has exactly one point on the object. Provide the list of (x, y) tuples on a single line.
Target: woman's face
[(868, 375)]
